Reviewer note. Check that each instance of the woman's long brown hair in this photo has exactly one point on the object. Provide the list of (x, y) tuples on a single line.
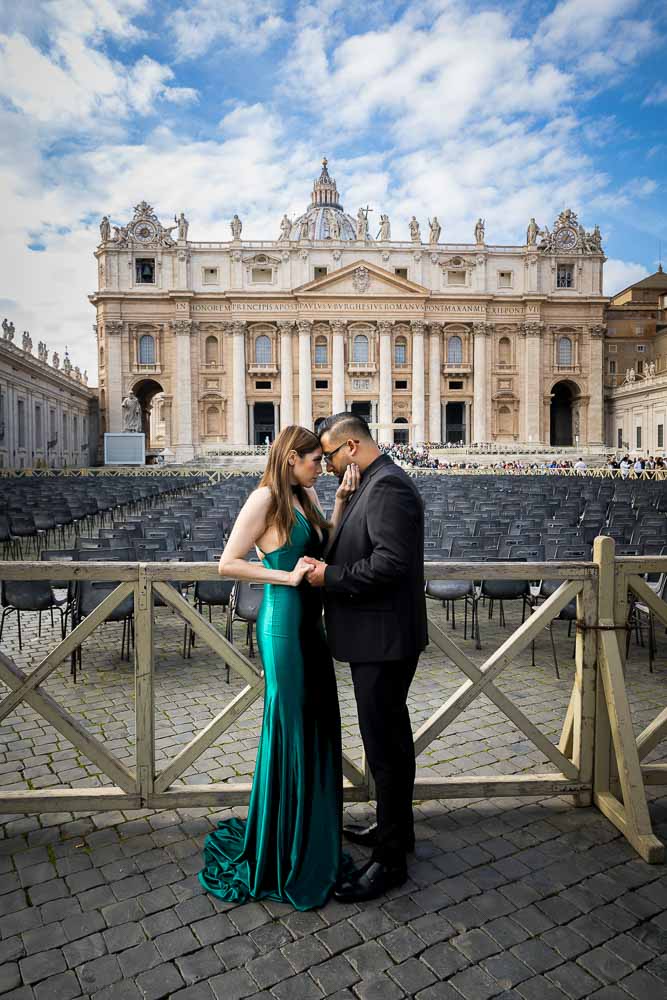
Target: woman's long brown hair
[(277, 478)]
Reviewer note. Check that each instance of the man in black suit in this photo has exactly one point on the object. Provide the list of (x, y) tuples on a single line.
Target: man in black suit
[(375, 612)]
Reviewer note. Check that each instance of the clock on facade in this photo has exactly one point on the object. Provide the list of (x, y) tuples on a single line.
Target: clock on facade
[(144, 231), (566, 238)]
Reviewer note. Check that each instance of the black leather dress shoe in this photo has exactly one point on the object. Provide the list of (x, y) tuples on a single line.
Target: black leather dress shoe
[(372, 881), (367, 836)]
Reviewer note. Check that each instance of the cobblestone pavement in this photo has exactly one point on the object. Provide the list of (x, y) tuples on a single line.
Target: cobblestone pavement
[(526, 898)]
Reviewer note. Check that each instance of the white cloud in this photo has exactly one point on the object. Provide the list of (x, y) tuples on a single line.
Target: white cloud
[(658, 95), (199, 24), (618, 274)]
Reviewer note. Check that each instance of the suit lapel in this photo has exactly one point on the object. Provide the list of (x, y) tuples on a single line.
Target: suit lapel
[(354, 499)]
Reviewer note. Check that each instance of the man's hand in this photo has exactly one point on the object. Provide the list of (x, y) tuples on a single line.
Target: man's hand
[(315, 575)]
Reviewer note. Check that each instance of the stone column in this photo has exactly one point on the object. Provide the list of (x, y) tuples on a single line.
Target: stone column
[(418, 434), (276, 419), (480, 389), (239, 405), (182, 390), (595, 390), (434, 364), (532, 382), (286, 328), (305, 375), (385, 411), (338, 366), (113, 330), (166, 414)]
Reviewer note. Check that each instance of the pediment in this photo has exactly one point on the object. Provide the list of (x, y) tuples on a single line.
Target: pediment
[(362, 278)]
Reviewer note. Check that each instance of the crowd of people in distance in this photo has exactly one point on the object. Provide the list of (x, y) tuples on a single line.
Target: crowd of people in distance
[(420, 457)]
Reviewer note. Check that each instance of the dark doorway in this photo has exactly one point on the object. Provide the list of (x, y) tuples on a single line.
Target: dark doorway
[(401, 436), (145, 392), (562, 396), (264, 421), (362, 408), (455, 427)]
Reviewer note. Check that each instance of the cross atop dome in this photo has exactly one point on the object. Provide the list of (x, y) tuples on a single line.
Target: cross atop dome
[(324, 189)]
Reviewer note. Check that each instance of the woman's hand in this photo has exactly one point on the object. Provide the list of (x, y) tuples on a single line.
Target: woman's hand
[(297, 574), (349, 483)]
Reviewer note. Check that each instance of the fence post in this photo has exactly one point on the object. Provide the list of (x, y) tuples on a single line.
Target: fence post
[(583, 718), (143, 679), (615, 742)]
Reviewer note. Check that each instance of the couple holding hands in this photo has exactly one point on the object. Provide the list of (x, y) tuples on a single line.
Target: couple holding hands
[(367, 566)]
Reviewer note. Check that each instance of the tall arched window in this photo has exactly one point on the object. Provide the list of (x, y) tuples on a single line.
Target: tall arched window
[(360, 349), (400, 351), (146, 350), (504, 351), (454, 351), (263, 351), (321, 351), (211, 350), (564, 351)]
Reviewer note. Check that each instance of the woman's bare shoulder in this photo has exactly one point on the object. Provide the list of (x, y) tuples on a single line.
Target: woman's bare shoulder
[(259, 499)]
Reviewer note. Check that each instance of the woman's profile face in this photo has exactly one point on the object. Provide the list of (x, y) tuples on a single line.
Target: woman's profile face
[(307, 468)]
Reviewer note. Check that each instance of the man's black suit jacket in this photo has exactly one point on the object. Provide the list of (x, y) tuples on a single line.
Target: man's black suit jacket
[(374, 602)]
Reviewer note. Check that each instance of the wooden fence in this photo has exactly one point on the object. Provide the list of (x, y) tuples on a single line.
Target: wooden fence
[(597, 760)]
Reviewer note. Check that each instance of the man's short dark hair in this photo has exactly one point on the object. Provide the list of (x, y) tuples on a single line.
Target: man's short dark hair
[(347, 425)]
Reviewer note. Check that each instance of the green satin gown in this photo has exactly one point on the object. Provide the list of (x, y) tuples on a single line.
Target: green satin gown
[(289, 848)]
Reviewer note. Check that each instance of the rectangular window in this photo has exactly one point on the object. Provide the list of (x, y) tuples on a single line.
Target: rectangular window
[(564, 276), (210, 275), (661, 435), (612, 367), (320, 272), (638, 431), (53, 434), (145, 270), (75, 433), (65, 441), (641, 348), (401, 272), (262, 275), (262, 385), (21, 422), (612, 348), (456, 277), (321, 383), (456, 385), (39, 432), (504, 279), (619, 438), (401, 383), (639, 329)]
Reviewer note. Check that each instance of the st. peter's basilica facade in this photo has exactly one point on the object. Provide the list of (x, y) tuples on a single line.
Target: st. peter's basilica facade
[(225, 343)]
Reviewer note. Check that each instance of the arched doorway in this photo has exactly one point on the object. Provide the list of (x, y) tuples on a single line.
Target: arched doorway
[(145, 391), (401, 436), (563, 395)]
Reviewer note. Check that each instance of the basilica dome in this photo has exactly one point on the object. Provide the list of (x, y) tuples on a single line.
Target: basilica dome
[(324, 218)]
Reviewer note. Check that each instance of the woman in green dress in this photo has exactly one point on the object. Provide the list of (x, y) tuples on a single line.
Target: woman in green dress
[(289, 847)]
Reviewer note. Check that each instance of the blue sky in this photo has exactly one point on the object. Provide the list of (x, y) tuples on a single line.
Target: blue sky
[(504, 110)]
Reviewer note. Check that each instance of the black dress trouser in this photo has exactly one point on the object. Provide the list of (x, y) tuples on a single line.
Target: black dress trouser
[(381, 691)]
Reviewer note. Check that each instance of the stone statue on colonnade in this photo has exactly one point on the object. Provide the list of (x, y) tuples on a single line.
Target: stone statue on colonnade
[(434, 231), (132, 417), (415, 232), (479, 232), (385, 228), (236, 227), (531, 233)]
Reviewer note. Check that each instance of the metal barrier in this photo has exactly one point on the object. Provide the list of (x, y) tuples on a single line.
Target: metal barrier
[(597, 758)]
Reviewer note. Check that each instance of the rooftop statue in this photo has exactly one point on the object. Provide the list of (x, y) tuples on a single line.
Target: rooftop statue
[(531, 233), (385, 228), (479, 232), (435, 229), (105, 229), (415, 232), (236, 227), (183, 226), (285, 227)]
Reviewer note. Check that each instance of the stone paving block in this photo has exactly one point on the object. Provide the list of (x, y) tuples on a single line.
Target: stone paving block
[(368, 959), (658, 968), (127, 911), (269, 969), (11, 949), (591, 929), (82, 924), (305, 953), (605, 965), (268, 937), (537, 955), (138, 959), (379, 987), (164, 980), (463, 916), (401, 943), (630, 950), (574, 981), (506, 969), (210, 930), (245, 918), (443, 959), (99, 973), (200, 991), (533, 920), (84, 950), (439, 991), (44, 938), (41, 965), (372, 923), (123, 936), (161, 923), (157, 899), (10, 976), (641, 985), (300, 987), (339, 937), (539, 988), (235, 951), (175, 943), (65, 986), (475, 945), (199, 965), (412, 976), (565, 941), (474, 984), (334, 975)]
